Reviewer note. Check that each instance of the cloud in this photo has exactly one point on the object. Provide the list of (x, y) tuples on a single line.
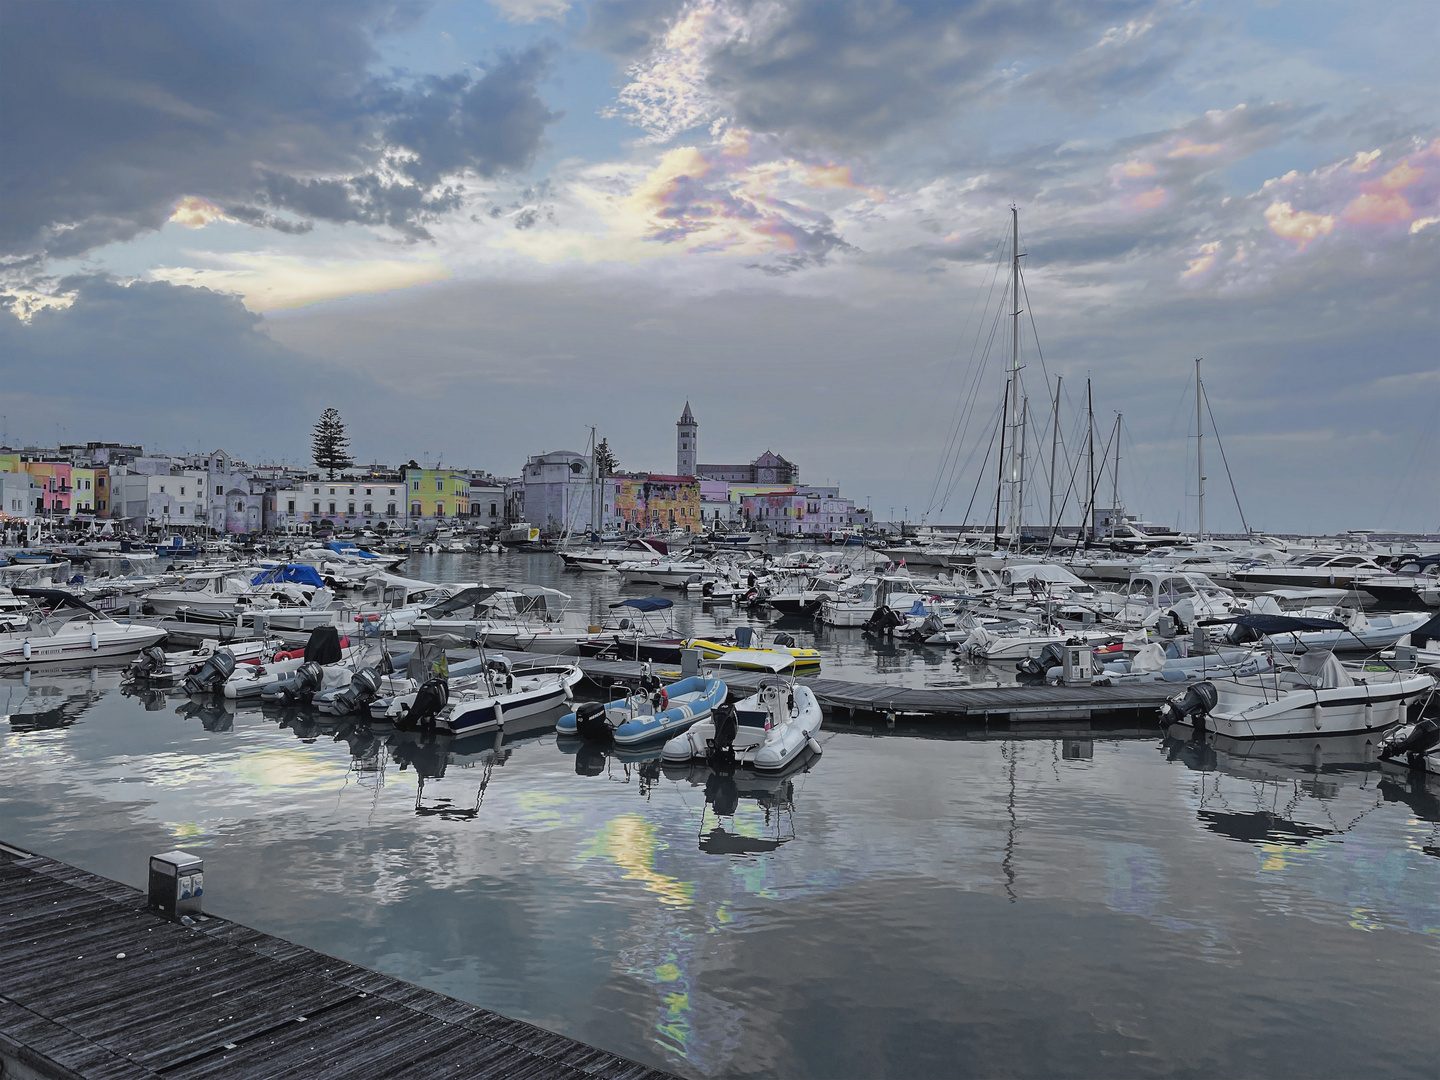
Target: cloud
[(1190, 148), (851, 74), (271, 282), (117, 110), (1205, 260), (1300, 226), (195, 213), (532, 11)]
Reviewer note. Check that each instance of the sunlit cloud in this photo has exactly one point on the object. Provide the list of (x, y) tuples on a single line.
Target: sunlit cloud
[(1136, 169), (1363, 160), (24, 303), (1299, 226), (1148, 200), (194, 212), (1205, 260), (1190, 148), (1375, 208), (270, 282)]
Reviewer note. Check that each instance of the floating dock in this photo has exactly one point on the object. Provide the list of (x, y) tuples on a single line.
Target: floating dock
[(977, 703), (94, 984)]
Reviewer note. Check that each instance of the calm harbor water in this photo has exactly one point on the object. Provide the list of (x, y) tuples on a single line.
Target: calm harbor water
[(934, 902)]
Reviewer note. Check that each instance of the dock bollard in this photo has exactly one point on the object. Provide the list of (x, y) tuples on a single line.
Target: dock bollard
[(177, 882)]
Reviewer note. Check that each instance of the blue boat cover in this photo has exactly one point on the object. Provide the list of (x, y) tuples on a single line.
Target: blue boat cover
[(346, 547), (646, 603), (917, 609), (294, 573)]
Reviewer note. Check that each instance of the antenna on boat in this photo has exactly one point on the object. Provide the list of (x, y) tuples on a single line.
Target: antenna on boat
[(1017, 452), (1054, 441)]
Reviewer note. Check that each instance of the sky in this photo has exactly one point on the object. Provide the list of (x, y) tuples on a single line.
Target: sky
[(479, 228)]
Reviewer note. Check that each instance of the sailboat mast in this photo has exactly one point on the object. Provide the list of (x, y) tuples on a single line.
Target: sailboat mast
[(1090, 460), (1054, 442), (1000, 484), (1017, 459), (1199, 451), (1115, 477), (594, 483)]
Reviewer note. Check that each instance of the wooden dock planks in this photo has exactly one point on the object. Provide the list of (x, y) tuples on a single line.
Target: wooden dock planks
[(217, 1000)]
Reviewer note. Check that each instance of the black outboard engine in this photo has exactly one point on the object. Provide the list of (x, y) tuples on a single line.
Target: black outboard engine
[(364, 688), (1413, 743), (590, 720), (783, 641), (707, 589), (212, 674), (299, 688), (433, 695), (147, 663), (884, 620), (1194, 704), (1052, 655), (727, 726)]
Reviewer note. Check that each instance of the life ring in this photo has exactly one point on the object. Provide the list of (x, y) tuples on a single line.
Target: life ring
[(654, 562), (664, 699)]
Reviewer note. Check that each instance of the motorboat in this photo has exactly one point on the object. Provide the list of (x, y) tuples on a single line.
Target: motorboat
[(160, 668), (1314, 570), (1414, 583), (1314, 694), (747, 649), (1151, 594), (211, 594), (652, 712), (767, 731), (500, 695), (667, 573), (638, 635), (1346, 630), (325, 648), (70, 629)]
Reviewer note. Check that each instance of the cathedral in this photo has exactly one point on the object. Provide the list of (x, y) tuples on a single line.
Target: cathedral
[(768, 468)]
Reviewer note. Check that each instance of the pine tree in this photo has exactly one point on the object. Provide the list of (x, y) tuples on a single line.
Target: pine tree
[(328, 444), (605, 463)]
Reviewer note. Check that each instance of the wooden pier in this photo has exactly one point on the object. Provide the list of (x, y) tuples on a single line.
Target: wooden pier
[(93, 984)]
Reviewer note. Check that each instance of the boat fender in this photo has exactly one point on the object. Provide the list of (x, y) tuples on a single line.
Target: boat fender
[(25, 650), (94, 642), (814, 744)]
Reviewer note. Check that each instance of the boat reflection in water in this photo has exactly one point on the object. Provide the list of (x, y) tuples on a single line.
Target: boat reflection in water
[(1292, 791), (434, 756), (52, 698), (725, 789)]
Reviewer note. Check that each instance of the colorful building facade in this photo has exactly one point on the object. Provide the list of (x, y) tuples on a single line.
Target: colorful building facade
[(437, 493)]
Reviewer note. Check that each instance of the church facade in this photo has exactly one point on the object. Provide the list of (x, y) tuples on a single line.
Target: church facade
[(768, 468)]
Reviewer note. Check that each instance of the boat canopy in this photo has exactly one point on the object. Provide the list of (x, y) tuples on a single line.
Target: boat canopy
[(465, 598), (57, 599), (289, 573), (646, 603), (1419, 636)]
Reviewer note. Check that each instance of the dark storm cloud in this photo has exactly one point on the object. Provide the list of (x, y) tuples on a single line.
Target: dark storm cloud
[(115, 110)]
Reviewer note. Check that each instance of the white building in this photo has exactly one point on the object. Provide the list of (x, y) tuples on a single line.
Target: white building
[(176, 499), (343, 503), (19, 495), (561, 494)]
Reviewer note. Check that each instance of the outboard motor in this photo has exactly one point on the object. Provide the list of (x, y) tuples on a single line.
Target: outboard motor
[(723, 794), (1194, 704), (1052, 655), (364, 688), (299, 688), (884, 620), (147, 663), (433, 695), (1412, 742), (590, 722), (212, 674), (727, 726), (783, 641), (707, 589)]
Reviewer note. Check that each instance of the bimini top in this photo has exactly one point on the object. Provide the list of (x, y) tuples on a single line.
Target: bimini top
[(291, 573), (1279, 624), (57, 599), (646, 603)]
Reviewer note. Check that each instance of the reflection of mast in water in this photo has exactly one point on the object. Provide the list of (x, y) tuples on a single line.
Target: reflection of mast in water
[(1008, 863), (724, 789), (431, 755)]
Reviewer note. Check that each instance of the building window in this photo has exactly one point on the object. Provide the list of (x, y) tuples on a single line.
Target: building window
[(351, 510), (103, 504), (332, 508), (162, 489), (439, 484), (368, 491), (352, 491), (291, 509), (415, 485), (492, 509), (415, 509), (219, 489), (439, 509), (182, 510), (367, 508), (332, 491), (317, 508), (390, 509)]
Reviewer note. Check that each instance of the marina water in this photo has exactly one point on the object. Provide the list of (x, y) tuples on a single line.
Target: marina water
[(924, 901)]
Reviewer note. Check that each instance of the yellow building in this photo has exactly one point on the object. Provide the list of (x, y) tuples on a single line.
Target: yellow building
[(437, 493), (657, 501)]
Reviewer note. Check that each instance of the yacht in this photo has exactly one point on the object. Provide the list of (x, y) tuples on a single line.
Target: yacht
[(70, 629)]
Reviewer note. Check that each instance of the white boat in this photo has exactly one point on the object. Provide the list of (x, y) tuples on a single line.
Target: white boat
[(214, 594), (766, 731), (1317, 695), (498, 696), (1348, 631), (72, 630), (667, 573), (159, 668)]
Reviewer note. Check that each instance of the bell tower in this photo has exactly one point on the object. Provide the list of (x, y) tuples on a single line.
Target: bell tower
[(687, 435)]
